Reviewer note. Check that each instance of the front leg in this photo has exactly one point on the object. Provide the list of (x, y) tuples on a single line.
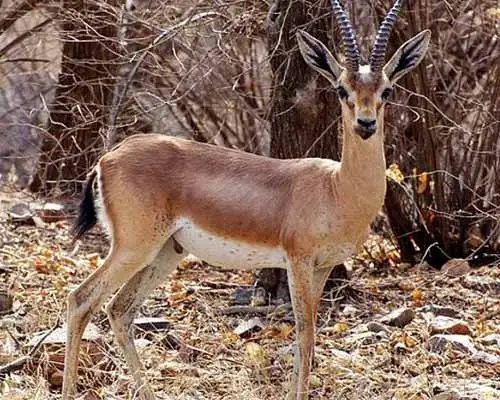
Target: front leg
[(300, 281)]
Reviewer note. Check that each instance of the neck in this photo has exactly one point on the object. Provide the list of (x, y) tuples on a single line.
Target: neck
[(363, 161)]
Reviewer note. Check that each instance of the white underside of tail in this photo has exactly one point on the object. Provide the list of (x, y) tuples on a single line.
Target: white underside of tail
[(224, 252)]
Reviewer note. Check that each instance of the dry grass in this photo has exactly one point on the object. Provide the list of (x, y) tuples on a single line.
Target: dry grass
[(214, 363)]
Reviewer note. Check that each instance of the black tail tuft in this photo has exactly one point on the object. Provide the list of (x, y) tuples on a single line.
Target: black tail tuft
[(87, 217)]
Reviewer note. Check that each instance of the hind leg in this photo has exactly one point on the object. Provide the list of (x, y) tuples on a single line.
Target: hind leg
[(122, 308), (5, 167), (24, 171), (120, 265)]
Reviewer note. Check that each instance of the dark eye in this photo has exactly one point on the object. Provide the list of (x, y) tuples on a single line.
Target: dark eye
[(386, 93), (342, 93)]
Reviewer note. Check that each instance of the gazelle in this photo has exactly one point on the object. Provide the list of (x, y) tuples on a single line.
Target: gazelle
[(162, 198)]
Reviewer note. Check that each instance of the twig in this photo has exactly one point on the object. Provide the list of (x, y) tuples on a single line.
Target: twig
[(490, 315), (19, 363)]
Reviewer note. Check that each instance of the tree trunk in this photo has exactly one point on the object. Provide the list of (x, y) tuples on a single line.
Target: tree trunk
[(304, 110), (78, 115)]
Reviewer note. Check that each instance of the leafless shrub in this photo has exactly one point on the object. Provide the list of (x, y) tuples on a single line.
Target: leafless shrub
[(445, 137)]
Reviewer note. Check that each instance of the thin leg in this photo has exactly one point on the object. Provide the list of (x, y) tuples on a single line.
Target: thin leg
[(118, 268), (5, 167), (300, 280), (320, 276), (122, 308)]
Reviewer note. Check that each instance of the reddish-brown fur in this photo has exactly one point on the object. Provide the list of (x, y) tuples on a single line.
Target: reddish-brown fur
[(314, 212)]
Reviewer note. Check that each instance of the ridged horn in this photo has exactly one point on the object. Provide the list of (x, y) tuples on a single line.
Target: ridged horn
[(351, 51), (377, 57)]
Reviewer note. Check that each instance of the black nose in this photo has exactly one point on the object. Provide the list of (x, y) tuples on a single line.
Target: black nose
[(368, 124)]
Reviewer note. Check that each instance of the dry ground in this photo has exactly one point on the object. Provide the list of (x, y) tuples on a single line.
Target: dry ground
[(39, 268)]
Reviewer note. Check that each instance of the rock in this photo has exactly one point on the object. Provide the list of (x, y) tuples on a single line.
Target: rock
[(399, 317), (91, 334), (247, 327), (51, 212), (404, 266), (241, 297), (467, 389), (5, 302), (365, 338), (21, 213), (490, 340), (448, 395), (481, 283), (440, 343), (375, 326), (150, 324), (449, 325), (142, 343), (259, 297), (440, 310), (456, 267), (56, 378), (487, 358), (350, 311), (52, 348), (315, 381), (340, 355)]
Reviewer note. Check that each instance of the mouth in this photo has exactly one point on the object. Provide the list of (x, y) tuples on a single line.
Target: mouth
[(364, 133)]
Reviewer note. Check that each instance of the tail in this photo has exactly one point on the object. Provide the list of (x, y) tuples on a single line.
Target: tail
[(87, 217)]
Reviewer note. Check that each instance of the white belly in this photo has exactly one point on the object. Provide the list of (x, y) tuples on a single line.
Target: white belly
[(227, 253)]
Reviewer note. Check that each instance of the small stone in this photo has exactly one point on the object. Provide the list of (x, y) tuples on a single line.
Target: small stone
[(363, 338), (259, 297), (91, 334), (440, 310), (21, 213), (449, 325), (404, 266), (51, 212), (456, 267), (490, 340), (53, 345), (399, 317), (481, 283), (5, 302), (448, 395), (440, 343), (247, 327), (142, 343), (468, 389), (350, 310), (56, 379), (375, 326), (241, 297), (150, 324), (487, 358), (340, 355), (315, 381)]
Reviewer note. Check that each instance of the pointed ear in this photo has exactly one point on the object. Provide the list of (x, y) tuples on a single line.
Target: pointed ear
[(319, 57), (408, 56)]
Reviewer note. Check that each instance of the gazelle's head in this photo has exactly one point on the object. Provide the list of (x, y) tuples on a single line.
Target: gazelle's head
[(363, 89)]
